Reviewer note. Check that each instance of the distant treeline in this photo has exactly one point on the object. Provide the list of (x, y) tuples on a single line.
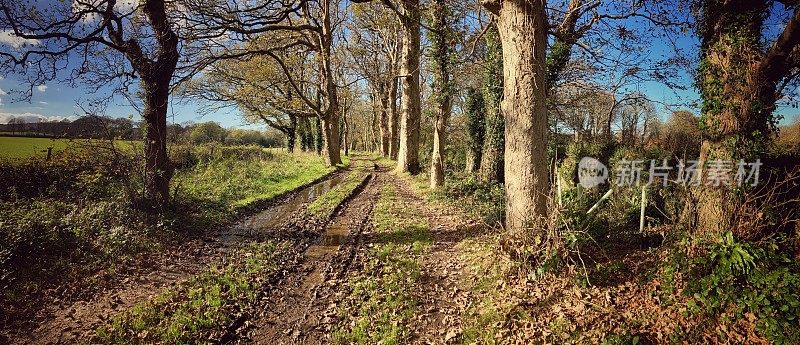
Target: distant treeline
[(94, 127)]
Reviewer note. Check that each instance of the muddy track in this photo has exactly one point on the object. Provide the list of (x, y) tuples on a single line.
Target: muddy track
[(73, 319), (301, 310)]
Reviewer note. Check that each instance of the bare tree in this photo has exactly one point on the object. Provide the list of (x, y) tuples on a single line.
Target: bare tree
[(107, 42), (373, 47)]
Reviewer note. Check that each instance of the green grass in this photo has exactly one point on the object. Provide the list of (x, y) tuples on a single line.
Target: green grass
[(244, 182), (78, 217), (324, 205), (198, 310), (26, 147), (21, 147), (381, 303)]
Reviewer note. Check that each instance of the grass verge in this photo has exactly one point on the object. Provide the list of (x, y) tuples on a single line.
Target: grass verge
[(324, 205), (380, 302), (64, 220)]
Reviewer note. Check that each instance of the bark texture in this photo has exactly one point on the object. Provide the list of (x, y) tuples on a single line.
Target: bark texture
[(408, 153), (522, 28)]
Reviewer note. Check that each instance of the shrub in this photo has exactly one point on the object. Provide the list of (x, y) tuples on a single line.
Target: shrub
[(749, 280)]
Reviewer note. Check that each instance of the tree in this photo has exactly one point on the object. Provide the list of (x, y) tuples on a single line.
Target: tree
[(258, 87), (522, 27), (127, 42), (475, 113), (374, 53), (305, 28), (207, 132), (681, 134), (491, 168), (442, 86), (408, 152), (740, 76)]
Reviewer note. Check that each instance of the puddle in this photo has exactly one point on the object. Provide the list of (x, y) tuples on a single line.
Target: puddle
[(335, 234), (276, 214)]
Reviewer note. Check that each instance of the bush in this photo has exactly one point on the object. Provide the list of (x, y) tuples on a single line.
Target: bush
[(486, 200), (750, 281)]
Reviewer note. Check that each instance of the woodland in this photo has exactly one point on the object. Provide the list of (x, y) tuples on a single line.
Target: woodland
[(437, 171)]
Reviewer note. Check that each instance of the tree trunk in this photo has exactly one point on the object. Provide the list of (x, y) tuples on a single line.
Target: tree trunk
[(346, 135), (305, 134), (491, 169), (384, 120), (442, 89), (330, 130), (156, 76), (522, 26), (394, 126), (737, 83), (158, 168), (408, 154), (475, 110), (291, 133), (319, 136)]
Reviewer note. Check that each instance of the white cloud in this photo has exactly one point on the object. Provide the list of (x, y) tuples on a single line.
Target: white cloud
[(43, 102), (8, 37), (121, 6), (3, 93), (33, 117), (42, 88)]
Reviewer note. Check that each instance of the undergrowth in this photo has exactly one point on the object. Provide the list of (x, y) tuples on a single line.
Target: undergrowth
[(479, 199), (739, 280)]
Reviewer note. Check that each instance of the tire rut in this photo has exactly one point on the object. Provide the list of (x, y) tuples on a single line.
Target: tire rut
[(302, 309)]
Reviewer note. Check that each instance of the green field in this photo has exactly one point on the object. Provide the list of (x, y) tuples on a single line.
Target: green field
[(21, 147)]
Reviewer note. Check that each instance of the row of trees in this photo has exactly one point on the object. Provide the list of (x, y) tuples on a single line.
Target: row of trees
[(101, 127), (308, 64)]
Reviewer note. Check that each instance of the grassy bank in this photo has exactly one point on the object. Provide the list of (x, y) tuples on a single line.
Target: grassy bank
[(240, 183)]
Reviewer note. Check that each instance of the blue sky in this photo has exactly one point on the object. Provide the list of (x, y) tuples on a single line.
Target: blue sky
[(58, 100)]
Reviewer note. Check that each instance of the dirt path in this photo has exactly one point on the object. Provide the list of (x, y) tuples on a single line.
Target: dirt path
[(440, 296), (300, 306), (72, 317), (301, 310)]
